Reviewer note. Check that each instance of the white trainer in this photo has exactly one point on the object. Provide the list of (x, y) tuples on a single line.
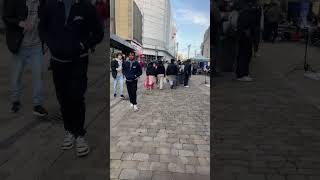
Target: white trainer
[(245, 79), (67, 141), (82, 147), (135, 108)]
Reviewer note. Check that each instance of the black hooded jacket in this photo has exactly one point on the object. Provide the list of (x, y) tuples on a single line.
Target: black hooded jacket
[(65, 36), (14, 11)]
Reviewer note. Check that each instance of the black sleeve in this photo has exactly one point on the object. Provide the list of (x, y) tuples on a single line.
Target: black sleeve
[(113, 65), (44, 21), (96, 28), (139, 70), (8, 16), (124, 69)]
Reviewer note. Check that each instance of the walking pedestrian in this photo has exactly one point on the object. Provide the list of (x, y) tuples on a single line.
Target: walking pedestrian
[(187, 73), (101, 10), (141, 64), (246, 30), (22, 35), (257, 29), (150, 76), (116, 66), (273, 18), (217, 31), (70, 28), (132, 71), (181, 73), (177, 77), (161, 71), (172, 72)]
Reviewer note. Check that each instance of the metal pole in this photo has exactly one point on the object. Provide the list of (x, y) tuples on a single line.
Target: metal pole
[(189, 50), (156, 52), (177, 49), (205, 78)]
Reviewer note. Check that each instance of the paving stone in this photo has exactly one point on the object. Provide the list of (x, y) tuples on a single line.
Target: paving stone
[(114, 173), (127, 156), (145, 166), (186, 153), (203, 170), (145, 175), (146, 138), (203, 161), (190, 169), (202, 154), (115, 164), (162, 150), (129, 174), (159, 166), (154, 158), (189, 147), (140, 157), (172, 167), (203, 147), (177, 146), (116, 155), (168, 158), (129, 164), (162, 177)]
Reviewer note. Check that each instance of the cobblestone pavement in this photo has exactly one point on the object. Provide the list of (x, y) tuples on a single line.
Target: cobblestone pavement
[(268, 129), (30, 146), (168, 139)]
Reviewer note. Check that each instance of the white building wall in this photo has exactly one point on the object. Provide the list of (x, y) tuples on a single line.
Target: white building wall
[(157, 27), (206, 44)]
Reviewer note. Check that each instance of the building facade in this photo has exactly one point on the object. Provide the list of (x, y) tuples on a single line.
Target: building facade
[(125, 26), (205, 46), (159, 31)]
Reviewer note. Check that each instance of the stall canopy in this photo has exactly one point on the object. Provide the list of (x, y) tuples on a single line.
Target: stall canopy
[(200, 59), (119, 43)]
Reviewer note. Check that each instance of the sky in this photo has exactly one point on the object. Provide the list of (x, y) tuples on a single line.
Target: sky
[(192, 20)]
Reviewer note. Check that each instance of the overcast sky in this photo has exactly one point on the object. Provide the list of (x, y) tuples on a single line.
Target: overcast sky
[(192, 19)]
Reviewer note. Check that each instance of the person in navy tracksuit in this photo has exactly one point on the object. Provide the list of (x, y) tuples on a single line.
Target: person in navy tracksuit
[(132, 71), (70, 28)]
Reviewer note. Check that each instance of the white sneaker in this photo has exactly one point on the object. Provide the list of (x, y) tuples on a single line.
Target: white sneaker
[(135, 108), (67, 141), (131, 105), (186, 86), (82, 146), (245, 79)]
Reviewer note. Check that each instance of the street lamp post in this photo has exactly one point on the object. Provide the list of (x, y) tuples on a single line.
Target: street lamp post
[(156, 52), (189, 50), (177, 50)]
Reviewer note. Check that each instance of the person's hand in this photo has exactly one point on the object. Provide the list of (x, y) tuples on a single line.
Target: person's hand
[(26, 25), (82, 46)]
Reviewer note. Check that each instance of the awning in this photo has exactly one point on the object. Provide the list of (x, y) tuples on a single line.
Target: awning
[(121, 44), (200, 59)]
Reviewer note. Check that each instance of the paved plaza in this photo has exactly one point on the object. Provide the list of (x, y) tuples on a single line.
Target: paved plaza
[(30, 146), (168, 139), (268, 129)]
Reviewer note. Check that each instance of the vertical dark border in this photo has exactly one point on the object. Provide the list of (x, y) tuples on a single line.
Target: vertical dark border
[(211, 94), (107, 81)]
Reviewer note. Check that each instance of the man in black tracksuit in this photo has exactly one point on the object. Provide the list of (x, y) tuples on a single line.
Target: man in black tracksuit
[(187, 73), (246, 33), (172, 72), (70, 28), (132, 71)]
